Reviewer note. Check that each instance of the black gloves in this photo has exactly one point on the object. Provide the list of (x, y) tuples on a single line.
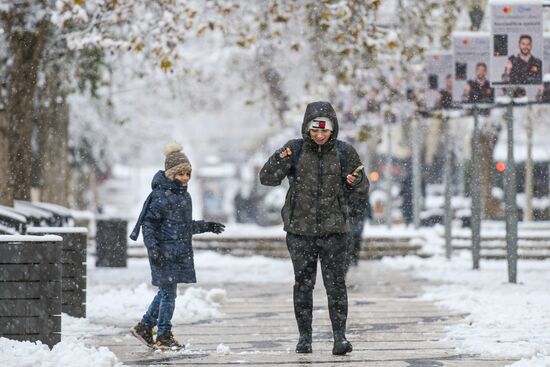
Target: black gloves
[(156, 256), (215, 227)]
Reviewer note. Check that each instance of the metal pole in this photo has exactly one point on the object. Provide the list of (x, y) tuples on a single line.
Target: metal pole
[(475, 189), (447, 183), (528, 210), (389, 201), (511, 205), (417, 174)]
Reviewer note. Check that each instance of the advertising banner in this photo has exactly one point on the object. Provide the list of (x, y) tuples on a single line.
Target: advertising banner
[(439, 88), (471, 68), (543, 93), (516, 42)]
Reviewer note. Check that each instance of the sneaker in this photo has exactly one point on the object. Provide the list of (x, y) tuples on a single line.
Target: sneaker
[(144, 334), (304, 344), (167, 341)]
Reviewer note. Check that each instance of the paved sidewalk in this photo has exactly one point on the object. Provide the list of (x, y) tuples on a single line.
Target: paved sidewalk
[(388, 326)]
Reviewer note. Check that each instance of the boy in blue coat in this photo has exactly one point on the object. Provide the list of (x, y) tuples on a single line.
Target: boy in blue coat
[(167, 230)]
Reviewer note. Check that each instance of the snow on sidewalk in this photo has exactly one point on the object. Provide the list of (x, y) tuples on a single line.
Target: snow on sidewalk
[(118, 297), (505, 320), (66, 353)]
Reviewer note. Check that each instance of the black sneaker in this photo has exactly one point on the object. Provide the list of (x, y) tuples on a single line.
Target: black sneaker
[(144, 334), (341, 347), (304, 344), (167, 341)]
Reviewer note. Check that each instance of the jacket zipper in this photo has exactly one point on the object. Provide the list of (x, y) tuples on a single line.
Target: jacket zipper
[(317, 203)]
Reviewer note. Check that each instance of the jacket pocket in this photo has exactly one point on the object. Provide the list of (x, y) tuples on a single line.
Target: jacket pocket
[(287, 213)]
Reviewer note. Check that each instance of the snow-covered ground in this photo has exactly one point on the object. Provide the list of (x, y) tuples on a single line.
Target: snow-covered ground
[(504, 320), (117, 298)]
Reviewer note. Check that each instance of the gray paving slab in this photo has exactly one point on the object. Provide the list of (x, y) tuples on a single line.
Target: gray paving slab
[(388, 325)]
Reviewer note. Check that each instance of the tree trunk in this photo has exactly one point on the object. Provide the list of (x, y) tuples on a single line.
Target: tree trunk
[(6, 192), (490, 206), (26, 49), (52, 157)]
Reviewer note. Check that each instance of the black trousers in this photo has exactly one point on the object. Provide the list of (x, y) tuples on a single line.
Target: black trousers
[(305, 251)]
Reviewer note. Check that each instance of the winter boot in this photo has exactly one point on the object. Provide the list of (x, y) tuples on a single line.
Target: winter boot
[(167, 342), (144, 334), (341, 345), (304, 344)]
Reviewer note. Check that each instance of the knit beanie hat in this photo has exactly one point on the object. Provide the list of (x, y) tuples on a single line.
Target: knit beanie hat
[(176, 161), (322, 123)]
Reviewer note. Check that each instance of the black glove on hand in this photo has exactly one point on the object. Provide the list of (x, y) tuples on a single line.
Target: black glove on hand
[(156, 256), (215, 227)]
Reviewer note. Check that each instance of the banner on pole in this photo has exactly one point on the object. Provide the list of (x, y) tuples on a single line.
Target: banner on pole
[(471, 68), (439, 80), (516, 42), (543, 93)]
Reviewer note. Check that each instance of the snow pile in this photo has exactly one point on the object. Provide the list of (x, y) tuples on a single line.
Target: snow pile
[(132, 302), (77, 327), (537, 361), (198, 304), (504, 320), (223, 349), (66, 353)]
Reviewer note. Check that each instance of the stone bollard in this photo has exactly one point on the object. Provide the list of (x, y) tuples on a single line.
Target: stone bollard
[(73, 259), (30, 288), (111, 242)]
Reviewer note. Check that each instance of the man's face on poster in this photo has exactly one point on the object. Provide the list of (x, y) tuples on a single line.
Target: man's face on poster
[(449, 82), (525, 46), (481, 71)]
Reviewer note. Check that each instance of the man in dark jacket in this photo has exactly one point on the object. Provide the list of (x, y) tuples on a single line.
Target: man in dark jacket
[(167, 231), (315, 215)]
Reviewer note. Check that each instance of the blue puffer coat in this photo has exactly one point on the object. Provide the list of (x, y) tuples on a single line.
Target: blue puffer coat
[(168, 225)]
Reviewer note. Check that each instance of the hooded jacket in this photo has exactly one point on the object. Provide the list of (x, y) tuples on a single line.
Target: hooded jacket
[(316, 202), (168, 226)]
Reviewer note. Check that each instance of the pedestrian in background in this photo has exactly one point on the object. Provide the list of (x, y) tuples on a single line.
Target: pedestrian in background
[(359, 212)]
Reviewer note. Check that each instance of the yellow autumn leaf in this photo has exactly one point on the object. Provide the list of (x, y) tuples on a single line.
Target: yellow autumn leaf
[(325, 14), (375, 4), (363, 135), (201, 30), (165, 64), (392, 44), (80, 2)]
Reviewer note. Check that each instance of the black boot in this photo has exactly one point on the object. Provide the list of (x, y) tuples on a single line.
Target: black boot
[(304, 344), (341, 345), (303, 309)]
